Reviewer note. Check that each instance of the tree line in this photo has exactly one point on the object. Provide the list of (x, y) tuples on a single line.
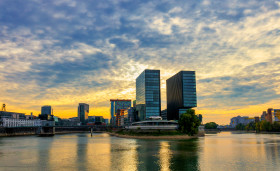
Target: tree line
[(264, 126)]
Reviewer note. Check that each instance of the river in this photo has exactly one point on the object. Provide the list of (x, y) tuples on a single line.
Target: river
[(222, 151)]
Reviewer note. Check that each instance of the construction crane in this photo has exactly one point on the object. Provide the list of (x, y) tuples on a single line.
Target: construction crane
[(4, 107)]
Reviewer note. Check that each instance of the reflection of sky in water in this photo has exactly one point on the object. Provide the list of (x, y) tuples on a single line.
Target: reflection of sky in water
[(224, 151)]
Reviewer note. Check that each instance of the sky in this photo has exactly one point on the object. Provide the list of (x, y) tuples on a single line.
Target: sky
[(65, 52)]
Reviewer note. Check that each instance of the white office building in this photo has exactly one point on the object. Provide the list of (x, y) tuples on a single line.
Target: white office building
[(10, 122)]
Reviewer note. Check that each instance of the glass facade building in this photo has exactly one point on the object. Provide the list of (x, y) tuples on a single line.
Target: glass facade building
[(83, 110), (181, 94), (148, 101), (46, 110), (116, 106)]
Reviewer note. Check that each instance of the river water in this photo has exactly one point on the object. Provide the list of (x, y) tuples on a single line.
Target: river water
[(223, 151)]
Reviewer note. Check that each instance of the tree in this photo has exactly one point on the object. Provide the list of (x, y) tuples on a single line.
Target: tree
[(240, 126), (276, 126), (211, 125), (250, 126), (189, 122), (265, 126)]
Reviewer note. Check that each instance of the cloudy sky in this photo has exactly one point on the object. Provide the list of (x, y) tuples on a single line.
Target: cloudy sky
[(62, 52)]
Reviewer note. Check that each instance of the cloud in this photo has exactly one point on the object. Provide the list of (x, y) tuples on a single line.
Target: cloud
[(66, 51)]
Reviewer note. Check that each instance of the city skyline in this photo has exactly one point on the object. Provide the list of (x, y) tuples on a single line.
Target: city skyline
[(64, 52)]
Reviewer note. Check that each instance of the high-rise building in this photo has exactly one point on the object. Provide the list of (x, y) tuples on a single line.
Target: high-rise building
[(268, 116), (116, 105), (181, 94), (148, 101), (164, 114), (83, 110), (263, 116), (46, 110)]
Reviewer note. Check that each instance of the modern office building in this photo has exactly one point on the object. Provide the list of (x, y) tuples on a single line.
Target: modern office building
[(148, 101), (276, 114), (164, 114), (83, 110), (181, 94), (46, 110), (117, 105), (263, 116)]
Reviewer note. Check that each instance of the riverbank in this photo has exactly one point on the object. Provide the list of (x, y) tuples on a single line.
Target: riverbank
[(155, 136)]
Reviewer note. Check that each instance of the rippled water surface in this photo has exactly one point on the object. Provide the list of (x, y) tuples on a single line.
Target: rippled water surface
[(223, 151)]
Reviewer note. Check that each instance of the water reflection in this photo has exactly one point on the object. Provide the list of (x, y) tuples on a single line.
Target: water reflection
[(99, 152), (147, 155), (272, 150), (185, 155), (164, 156), (123, 154), (224, 151)]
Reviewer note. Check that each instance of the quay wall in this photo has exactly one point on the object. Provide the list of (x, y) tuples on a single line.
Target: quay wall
[(21, 131)]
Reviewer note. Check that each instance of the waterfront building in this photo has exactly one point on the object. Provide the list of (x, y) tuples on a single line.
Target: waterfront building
[(240, 120), (181, 94), (83, 110), (46, 110), (148, 101), (276, 115), (99, 119), (130, 116), (12, 122), (120, 117), (268, 116), (116, 105), (263, 116), (257, 119), (154, 125), (70, 122), (12, 115), (164, 114)]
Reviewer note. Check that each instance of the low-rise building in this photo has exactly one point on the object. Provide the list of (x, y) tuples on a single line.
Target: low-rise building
[(154, 125), (240, 120), (10, 122), (12, 115)]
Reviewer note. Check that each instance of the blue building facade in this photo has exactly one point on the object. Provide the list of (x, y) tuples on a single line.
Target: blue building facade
[(46, 110), (181, 94), (148, 99), (83, 110), (116, 105)]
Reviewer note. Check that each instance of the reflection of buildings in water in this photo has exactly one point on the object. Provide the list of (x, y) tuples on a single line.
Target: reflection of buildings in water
[(82, 150), (27, 155), (185, 156), (147, 155), (164, 156), (45, 160), (124, 154), (99, 152), (272, 150), (62, 152)]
